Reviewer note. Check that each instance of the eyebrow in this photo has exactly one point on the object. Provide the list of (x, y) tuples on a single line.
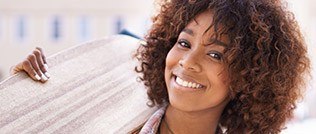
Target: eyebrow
[(188, 31), (218, 42)]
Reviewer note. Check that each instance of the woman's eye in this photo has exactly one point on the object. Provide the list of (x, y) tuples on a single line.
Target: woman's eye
[(215, 55), (184, 43)]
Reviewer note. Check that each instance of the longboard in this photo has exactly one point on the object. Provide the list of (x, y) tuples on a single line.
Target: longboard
[(93, 89)]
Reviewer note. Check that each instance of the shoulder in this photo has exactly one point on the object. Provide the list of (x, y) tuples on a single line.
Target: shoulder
[(151, 126)]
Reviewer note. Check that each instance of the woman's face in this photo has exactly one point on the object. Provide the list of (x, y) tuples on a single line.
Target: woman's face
[(195, 75)]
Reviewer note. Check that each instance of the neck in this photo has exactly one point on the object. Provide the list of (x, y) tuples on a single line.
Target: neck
[(198, 122)]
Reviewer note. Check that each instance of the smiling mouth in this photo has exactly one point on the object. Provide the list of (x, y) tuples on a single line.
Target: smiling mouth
[(188, 84)]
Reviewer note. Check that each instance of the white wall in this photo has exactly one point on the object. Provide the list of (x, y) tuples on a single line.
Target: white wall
[(102, 16)]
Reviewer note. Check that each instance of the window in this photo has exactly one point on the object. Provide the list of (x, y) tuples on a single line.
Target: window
[(21, 28), (84, 28), (118, 24), (56, 28), (0, 29)]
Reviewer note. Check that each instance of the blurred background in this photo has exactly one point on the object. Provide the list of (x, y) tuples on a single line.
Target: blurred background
[(56, 25)]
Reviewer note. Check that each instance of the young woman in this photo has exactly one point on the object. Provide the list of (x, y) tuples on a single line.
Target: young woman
[(217, 66)]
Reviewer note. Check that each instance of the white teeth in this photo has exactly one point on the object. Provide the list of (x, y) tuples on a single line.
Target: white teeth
[(187, 84), (194, 85), (179, 81), (190, 84)]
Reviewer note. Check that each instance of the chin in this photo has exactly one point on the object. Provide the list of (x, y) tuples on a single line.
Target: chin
[(189, 105), (184, 106)]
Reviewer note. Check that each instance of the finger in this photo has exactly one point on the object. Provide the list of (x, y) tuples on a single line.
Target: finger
[(40, 62), (27, 67), (17, 68), (32, 59), (43, 56)]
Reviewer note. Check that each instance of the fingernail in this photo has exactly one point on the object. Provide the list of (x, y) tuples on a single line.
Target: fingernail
[(46, 66), (37, 77), (44, 77), (47, 75)]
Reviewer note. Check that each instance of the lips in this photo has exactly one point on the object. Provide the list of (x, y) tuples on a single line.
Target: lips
[(187, 82)]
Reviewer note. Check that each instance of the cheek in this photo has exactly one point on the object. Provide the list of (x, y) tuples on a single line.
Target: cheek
[(218, 77), (171, 63), (172, 58), (219, 86), (223, 76)]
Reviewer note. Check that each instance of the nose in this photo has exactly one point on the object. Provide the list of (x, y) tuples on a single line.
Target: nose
[(190, 62)]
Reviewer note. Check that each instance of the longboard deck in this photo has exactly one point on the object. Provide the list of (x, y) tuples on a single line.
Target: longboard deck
[(92, 89)]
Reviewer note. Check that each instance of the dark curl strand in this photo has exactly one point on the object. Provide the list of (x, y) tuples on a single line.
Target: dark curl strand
[(266, 59)]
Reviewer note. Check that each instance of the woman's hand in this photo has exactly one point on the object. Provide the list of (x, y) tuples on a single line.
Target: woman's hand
[(34, 65)]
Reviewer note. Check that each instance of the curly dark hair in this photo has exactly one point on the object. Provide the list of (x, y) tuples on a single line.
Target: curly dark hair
[(266, 59)]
